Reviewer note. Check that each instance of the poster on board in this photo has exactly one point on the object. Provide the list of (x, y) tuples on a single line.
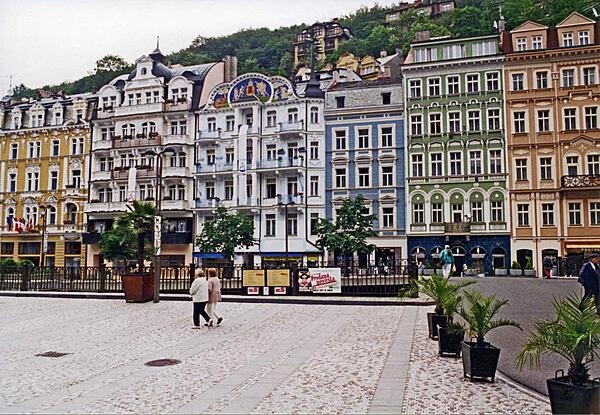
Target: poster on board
[(325, 280)]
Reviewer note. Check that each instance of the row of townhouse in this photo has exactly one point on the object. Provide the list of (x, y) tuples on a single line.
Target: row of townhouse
[(488, 144)]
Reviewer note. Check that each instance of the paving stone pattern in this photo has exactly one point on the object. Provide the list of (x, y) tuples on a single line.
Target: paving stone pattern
[(265, 358)]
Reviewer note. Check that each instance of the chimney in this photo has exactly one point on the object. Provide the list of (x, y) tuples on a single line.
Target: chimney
[(382, 54), (230, 68)]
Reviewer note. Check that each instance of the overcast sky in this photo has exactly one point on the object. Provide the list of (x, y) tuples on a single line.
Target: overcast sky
[(46, 42)]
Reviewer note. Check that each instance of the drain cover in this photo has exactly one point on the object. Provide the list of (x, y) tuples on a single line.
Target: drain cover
[(52, 354), (163, 362)]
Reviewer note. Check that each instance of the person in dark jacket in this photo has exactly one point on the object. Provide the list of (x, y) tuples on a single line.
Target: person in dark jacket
[(547, 264), (589, 277)]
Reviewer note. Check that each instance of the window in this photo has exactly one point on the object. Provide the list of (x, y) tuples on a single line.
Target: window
[(435, 123), (518, 82), (574, 214), (546, 168), (522, 214), (34, 149), (14, 151), (314, 185), (77, 145), (387, 176), (589, 76), (340, 140), (473, 120), (436, 164), (567, 39), (340, 178), (271, 118), (12, 182), (271, 183), (33, 181), (495, 161), (210, 122), (547, 214), (415, 88), (386, 98), (271, 152), (417, 165), (519, 122), (591, 118), (492, 81), (418, 213), (493, 116), (292, 115), (228, 189), (521, 169), (452, 83), (292, 186), (541, 80), (314, 150), (339, 102), (497, 211), (53, 180), (270, 225), (484, 48), (568, 77), (455, 163), (363, 176), (521, 44), (229, 123), (572, 165), (454, 122), (210, 156), (314, 220), (594, 213), (475, 162), (387, 217), (434, 86), (416, 124), (387, 138), (570, 118), (437, 213), (229, 156), (292, 224), (593, 164), (543, 117), (584, 38), (363, 138), (314, 115), (453, 52), (536, 43), (472, 83)]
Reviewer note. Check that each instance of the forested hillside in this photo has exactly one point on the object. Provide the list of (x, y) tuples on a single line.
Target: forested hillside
[(269, 51)]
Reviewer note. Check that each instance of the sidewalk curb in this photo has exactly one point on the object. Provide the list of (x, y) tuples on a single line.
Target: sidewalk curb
[(367, 301)]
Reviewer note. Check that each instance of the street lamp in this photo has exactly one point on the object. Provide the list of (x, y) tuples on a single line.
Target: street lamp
[(287, 230), (157, 217)]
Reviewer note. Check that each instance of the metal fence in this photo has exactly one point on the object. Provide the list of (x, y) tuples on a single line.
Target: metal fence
[(356, 279)]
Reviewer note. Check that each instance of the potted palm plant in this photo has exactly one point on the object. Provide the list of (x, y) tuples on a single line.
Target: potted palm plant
[(515, 269), (480, 358), (439, 289), (529, 270), (451, 336), (130, 238), (574, 334)]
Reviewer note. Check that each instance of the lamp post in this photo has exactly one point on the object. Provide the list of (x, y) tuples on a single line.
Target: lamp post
[(157, 217), (287, 230)]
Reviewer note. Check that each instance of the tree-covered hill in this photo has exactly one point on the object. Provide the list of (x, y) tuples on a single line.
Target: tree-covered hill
[(269, 51)]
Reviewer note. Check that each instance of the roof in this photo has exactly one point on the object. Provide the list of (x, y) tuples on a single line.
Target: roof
[(379, 82)]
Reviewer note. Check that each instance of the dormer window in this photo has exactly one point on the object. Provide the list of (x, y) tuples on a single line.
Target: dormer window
[(521, 44), (58, 120), (16, 122), (584, 38), (567, 39), (536, 43)]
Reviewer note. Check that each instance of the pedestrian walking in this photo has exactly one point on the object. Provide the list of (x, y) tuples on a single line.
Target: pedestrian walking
[(199, 293), (214, 296), (589, 277), (447, 260), (547, 264)]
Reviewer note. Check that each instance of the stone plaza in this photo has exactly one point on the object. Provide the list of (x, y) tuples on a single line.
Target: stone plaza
[(264, 358)]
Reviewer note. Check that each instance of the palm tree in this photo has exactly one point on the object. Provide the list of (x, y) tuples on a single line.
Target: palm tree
[(574, 334), (443, 292)]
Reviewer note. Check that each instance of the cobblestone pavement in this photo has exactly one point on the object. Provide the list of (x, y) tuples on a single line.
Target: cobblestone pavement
[(265, 358)]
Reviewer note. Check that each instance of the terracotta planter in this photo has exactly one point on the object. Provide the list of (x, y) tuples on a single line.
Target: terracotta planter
[(566, 398), (479, 361), (433, 321), (449, 343), (138, 287)]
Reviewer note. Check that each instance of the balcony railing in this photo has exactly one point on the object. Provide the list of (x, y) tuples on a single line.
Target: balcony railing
[(457, 227), (292, 127), (176, 238), (579, 181), (91, 238)]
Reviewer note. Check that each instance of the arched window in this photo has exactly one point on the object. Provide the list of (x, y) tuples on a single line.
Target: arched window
[(71, 213), (10, 217)]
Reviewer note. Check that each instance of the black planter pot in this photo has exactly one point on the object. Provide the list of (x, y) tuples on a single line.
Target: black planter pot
[(566, 398), (449, 343), (433, 321), (479, 362)]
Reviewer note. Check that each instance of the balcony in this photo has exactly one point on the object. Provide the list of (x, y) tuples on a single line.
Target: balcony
[(104, 207), (91, 238), (174, 139), (457, 228), (176, 238), (106, 112), (102, 144), (169, 204), (140, 140), (206, 203), (292, 129), (280, 162), (209, 136), (72, 191), (182, 104), (580, 182), (101, 175), (138, 109), (176, 172), (214, 168)]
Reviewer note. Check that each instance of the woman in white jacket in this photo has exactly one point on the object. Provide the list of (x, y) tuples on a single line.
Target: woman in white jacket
[(199, 293)]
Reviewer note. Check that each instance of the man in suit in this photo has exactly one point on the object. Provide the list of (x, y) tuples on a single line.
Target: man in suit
[(589, 277)]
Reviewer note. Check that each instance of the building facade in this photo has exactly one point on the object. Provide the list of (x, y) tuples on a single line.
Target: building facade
[(551, 74), (43, 178), (260, 151), (364, 154), (456, 153), (143, 149), (325, 38)]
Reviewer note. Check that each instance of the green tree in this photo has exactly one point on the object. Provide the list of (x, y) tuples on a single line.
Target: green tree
[(130, 235), (111, 63), (349, 232), (225, 232)]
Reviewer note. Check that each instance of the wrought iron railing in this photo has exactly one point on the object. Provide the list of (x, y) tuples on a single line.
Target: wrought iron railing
[(581, 180)]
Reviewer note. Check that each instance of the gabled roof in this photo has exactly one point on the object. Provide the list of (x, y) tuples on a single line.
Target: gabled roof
[(575, 19), (529, 25)]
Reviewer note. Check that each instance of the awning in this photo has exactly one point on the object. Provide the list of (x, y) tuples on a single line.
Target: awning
[(281, 254), (204, 255)]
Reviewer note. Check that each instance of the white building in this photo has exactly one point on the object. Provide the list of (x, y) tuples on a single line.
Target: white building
[(260, 150)]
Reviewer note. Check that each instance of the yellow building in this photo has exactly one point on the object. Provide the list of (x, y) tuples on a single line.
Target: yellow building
[(44, 145), (326, 38)]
